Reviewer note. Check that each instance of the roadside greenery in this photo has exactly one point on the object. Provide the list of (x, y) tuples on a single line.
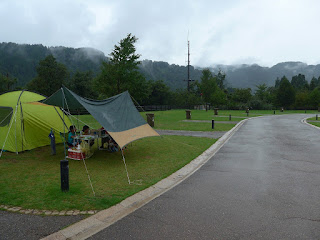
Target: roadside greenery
[(314, 120)]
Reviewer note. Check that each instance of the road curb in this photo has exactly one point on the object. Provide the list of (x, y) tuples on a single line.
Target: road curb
[(101, 220), (305, 122)]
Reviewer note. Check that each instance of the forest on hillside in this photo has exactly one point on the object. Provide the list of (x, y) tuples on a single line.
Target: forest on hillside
[(91, 74), (20, 61)]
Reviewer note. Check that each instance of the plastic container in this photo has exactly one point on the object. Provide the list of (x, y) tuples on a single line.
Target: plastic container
[(76, 154)]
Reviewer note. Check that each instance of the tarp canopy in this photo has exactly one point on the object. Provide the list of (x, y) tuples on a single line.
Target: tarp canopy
[(117, 114), (26, 123)]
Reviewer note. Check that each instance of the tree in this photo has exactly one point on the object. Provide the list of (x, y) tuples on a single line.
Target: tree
[(261, 92), (208, 86), (242, 95), (314, 83), (277, 83), (299, 82), (7, 83), (221, 76), (160, 93), (81, 84), (301, 100), (285, 93), (210, 91), (314, 98), (51, 75), (121, 73)]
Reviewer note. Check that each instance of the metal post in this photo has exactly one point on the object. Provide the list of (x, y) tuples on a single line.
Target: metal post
[(274, 112), (212, 124), (317, 117), (64, 170)]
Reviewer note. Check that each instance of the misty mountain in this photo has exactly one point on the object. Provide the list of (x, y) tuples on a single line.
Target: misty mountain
[(173, 75), (248, 76), (237, 76), (21, 60)]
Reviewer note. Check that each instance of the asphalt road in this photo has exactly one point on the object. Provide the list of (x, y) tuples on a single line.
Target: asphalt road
[(27, 227), (262, 184)]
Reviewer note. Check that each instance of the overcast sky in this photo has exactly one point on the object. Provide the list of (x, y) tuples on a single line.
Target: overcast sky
[(220, 31)]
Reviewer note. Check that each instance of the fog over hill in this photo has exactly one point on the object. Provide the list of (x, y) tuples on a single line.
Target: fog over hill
[(21, 60)]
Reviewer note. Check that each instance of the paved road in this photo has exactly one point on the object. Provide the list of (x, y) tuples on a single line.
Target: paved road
[(23, 226), (262, 184)]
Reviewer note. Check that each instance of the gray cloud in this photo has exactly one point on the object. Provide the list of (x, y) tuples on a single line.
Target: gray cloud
[(220, 32)]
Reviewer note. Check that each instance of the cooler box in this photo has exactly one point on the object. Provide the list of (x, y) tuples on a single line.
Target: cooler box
[(76, 154)]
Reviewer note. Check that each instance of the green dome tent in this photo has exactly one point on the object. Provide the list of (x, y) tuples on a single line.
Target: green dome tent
[(26, 123)]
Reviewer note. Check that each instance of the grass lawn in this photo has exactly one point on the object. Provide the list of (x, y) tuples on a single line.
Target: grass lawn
[(32, 178), (314, 119), (173, 120), (315, 123)]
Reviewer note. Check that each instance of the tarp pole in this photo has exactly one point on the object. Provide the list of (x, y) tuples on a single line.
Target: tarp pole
[(64, 129), (78, 119), (15, 121), (125, 165), (138, 104), (84, 162)]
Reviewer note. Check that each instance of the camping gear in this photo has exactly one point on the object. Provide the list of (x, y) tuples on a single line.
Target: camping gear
[(25, 122), (52, 142), (118, 115)]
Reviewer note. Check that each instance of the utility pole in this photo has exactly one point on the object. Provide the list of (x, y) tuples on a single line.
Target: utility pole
[(189, 80)]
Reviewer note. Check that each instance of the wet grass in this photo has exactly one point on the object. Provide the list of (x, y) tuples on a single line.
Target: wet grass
[(32, 179)]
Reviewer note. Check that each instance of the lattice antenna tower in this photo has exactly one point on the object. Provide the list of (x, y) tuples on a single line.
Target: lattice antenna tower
[(188, 67)]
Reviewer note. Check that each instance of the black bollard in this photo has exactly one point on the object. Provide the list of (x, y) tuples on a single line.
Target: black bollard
[(317, 117), (230, 117), (212, 124), (64, 171), (274, 112)]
